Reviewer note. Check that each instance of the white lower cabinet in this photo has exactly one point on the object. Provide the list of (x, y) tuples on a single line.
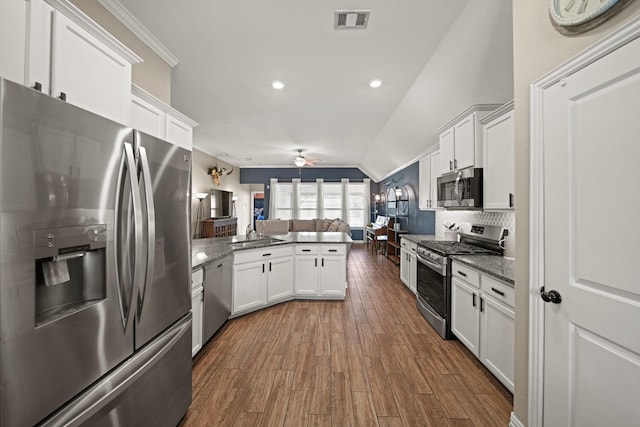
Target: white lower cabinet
[(261, 277), (197, 300), (408, 264), (482, 317), (320, 271), (498, 339), (465, 316)]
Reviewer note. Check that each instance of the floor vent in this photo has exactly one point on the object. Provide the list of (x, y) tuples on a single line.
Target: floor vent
[(351, 19)]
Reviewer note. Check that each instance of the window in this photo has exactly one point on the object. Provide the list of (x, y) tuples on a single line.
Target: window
[(356, 205), (284, 200), (332, 200), (319, 199), (308, 201)]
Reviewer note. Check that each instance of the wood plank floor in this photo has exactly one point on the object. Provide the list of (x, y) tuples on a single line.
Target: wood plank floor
[(371, 360)]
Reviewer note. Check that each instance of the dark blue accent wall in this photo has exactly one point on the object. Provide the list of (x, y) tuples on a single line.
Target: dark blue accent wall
[(419, 222)]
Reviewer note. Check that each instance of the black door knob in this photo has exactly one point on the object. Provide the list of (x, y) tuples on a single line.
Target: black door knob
[(551, 296)]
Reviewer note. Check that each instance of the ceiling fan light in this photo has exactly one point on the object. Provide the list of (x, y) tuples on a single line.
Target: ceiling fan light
[(299, 161)]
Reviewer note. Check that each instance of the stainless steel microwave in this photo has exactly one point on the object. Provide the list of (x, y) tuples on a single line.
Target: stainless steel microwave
[(461, 189)]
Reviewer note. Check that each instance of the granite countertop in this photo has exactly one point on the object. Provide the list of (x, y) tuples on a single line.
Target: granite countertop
[(208, 250), (417, 238), (495, 265)]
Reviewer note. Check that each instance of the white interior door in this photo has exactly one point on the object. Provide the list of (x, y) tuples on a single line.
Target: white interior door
[(591, 144)]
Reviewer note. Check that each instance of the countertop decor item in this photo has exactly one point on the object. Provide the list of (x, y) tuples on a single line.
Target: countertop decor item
[(571, 17), (216, 172)]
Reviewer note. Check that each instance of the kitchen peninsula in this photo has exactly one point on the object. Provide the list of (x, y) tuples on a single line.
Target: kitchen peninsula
[(237, 275)]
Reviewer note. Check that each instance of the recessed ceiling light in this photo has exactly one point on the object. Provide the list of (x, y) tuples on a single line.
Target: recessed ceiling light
[(277, 85), (375, 83)]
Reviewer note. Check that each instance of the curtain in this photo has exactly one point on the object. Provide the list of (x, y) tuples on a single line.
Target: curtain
[(367, 201), (344, 215), (273, 184), (295, 198), (320, 207)]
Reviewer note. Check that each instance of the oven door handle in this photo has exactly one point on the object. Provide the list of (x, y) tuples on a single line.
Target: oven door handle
[(432, 265)]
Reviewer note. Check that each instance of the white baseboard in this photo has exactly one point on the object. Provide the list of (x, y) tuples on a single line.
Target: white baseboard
[(514, 421)]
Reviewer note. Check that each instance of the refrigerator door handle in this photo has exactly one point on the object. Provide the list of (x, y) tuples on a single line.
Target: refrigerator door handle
[(151, 229), (128, 170)]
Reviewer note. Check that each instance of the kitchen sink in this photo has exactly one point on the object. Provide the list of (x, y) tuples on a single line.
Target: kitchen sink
[(256, 243)]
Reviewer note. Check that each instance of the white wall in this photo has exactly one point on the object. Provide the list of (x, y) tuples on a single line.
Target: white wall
[(538, 48), (202, 182)]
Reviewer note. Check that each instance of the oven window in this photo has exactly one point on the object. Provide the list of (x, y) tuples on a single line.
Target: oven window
[(432, 288)]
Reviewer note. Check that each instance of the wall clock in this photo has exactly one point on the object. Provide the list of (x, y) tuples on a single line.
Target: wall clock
[(576, 16)]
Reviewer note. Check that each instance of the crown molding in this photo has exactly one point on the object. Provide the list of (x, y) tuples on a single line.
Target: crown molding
[(92, 27), (136, 27), (497, 113), (472, 109)]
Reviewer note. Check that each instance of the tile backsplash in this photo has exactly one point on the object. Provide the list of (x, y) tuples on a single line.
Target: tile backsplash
[(502, 219)]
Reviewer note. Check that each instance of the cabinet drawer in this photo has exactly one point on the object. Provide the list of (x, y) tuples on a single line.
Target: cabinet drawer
[(262, 254), (408, 244), (333, 250), (498, 290), (197, 277), (307, 249), (465, 273)]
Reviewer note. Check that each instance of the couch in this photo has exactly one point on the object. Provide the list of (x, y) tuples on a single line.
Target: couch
[(281, 226)]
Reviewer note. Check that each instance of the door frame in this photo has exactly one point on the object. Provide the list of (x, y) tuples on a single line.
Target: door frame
[(616, 39)]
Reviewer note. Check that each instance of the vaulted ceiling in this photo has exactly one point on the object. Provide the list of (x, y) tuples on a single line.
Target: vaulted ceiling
[(434, 58)]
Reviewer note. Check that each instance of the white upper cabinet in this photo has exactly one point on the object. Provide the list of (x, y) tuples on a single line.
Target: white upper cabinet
[(152, 116), (499, 161), (461, 139), (71, 57), (13, 28), (429, 169)]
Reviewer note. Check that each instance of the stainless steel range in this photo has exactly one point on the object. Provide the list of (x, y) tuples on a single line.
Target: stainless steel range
[(434, 270)]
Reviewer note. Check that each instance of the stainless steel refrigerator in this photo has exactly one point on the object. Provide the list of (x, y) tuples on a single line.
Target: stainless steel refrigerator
[(95, 322)]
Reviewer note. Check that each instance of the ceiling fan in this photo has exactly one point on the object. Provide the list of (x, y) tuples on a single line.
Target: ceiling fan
[(301, 161)]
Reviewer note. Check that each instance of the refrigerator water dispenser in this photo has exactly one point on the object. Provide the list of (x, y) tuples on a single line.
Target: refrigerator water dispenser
[(70, 270)]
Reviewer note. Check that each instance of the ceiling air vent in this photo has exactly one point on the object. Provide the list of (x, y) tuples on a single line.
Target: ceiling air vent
[(351, 19)]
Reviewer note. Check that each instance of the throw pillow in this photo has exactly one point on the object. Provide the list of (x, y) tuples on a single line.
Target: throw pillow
[(326, 223)]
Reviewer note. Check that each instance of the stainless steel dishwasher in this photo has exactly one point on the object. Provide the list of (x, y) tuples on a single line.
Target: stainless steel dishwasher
[(217, 296)]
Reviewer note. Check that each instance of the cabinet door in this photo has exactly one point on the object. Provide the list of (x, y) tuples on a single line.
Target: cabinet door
[(249, 286), (447, 151), (465, 316), (13, 27), (92, 75), (196, 320), (333, 275), (404, 266), (307, 275), (424, 188), (147, 118), (433, 180), (499, 170), (498, 339), (280, 278), (413, 272), (179, 133), (465, 142)]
